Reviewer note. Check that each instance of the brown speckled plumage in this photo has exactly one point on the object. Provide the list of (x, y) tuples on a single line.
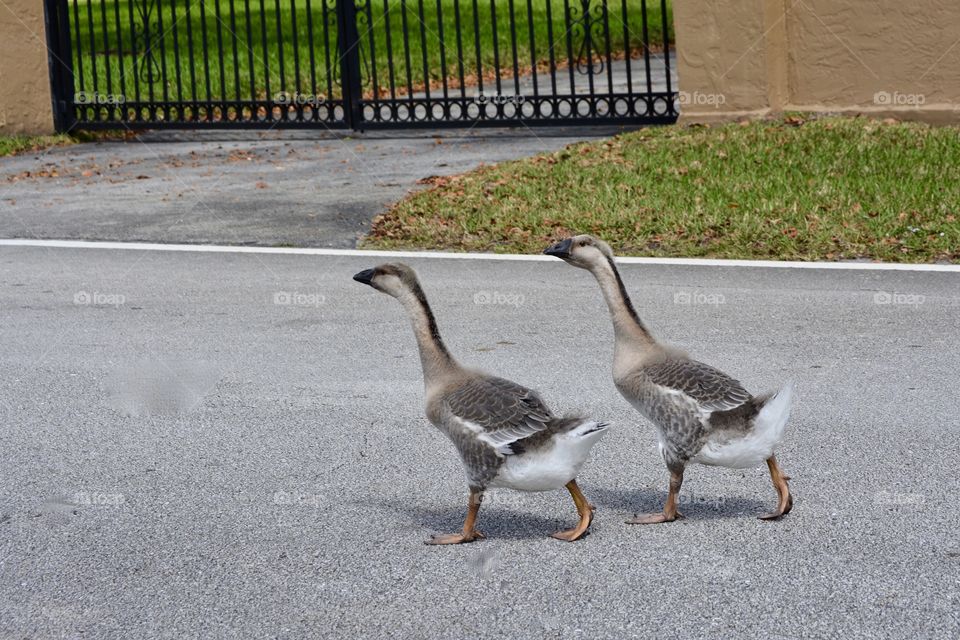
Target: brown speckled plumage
[(701, 414), (505, 411), (504, 432), (682, 397)]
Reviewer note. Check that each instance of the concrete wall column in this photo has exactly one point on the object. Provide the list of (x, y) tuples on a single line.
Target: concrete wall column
[(732, 58), (25, 104)]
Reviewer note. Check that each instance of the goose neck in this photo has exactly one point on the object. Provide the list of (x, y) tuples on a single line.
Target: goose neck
[(434, 356), (626, 323)]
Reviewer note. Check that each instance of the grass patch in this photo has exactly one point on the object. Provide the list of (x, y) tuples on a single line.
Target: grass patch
[(10, 145), (109, 61), (827, 189)]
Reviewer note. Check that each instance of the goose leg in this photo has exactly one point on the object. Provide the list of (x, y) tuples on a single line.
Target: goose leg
[(670, 512), (469, 533), (584, 508), (779, 478)]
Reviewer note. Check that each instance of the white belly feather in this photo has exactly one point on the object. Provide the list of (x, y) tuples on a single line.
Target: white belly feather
[(749, 450), (550, 467), (738, 453)]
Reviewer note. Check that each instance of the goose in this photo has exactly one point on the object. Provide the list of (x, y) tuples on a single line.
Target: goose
[(701, 414), (505, 434)]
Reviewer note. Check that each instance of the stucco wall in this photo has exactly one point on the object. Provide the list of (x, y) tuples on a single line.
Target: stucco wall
[(718, 56), (25, 106), (736, 58), (885, 57)]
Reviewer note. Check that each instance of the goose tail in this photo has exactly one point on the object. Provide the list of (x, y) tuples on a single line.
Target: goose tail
[(585, 433), (588, 428), (774, 413), (577, 426)]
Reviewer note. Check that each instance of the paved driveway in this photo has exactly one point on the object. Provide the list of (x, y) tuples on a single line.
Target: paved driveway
[(222, 445), (308, 189)]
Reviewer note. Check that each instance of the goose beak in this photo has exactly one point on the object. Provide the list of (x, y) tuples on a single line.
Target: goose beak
[(365, 276), (560, 250)]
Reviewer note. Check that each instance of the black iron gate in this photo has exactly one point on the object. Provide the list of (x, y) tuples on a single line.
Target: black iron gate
[(360, 64)]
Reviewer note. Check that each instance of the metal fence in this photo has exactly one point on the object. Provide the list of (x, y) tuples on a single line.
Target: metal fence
[(360, 64)]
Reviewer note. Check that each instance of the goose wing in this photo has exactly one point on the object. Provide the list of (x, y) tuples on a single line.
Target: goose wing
[(498, 412), (710, 388)]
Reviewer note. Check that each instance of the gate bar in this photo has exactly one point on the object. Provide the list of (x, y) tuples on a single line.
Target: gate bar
[(59, 58), (348, 47)]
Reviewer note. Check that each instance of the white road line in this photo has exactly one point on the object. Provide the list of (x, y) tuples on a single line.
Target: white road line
[(446, 255)]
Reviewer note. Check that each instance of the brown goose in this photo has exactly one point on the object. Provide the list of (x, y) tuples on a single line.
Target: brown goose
[(701, 414), (505, 434)]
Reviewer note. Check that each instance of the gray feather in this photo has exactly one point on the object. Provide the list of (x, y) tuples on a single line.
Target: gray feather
[(712, 389)]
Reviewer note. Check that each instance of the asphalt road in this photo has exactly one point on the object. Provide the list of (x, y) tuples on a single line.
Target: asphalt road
[(283, 188), (217, 445)]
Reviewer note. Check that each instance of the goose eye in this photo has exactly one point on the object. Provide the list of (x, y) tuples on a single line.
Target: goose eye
[(583, 243)]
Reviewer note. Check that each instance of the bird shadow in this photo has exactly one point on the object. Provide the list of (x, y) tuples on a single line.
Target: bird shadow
[(691, 505), (493, 521)]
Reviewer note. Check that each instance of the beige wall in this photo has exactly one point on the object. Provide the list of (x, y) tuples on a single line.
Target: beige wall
[(25, 106), (736, 58), (756, 57), (724, 61)]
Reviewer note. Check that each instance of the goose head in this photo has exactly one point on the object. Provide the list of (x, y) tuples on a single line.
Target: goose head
[(392, 278), (583, 251)]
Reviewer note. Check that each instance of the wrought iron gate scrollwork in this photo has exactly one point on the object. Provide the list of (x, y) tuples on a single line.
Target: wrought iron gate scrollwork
[(362, 64), (330, 11), (146, 39), (363, 10), (584, 24)]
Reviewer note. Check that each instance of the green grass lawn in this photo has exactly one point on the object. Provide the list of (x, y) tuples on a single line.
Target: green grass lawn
[(104, 47), (10, 145), (828, 189)]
